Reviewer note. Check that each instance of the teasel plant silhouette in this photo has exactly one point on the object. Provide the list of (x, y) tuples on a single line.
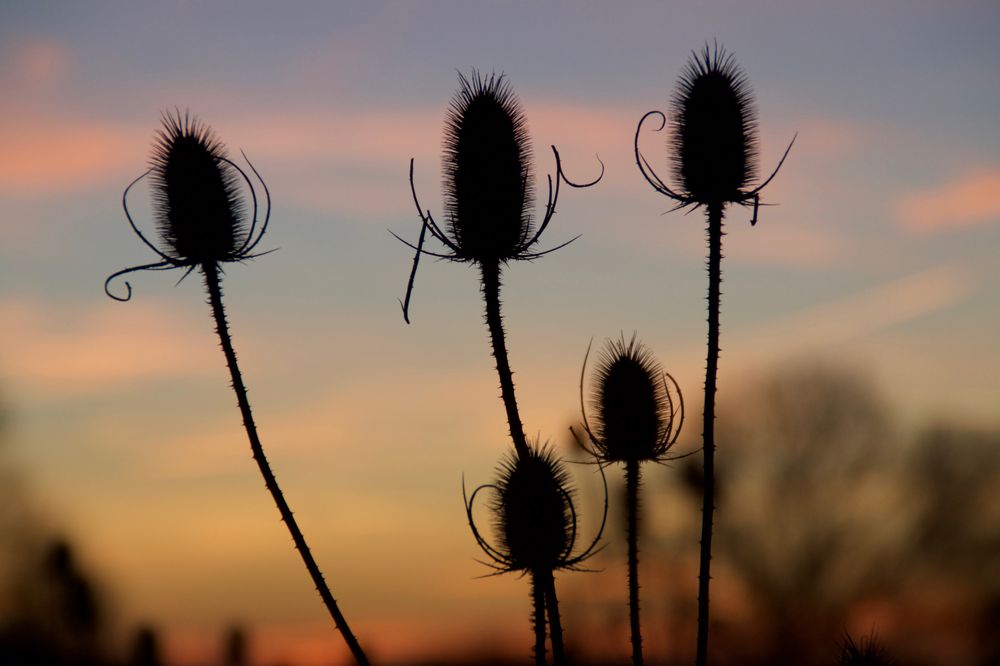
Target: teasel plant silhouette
[(714, 148), (868, 651), (201, 216), (535, 528), (488, 192), (635, 419)]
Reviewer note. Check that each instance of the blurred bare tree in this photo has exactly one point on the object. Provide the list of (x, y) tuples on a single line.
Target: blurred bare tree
[(826, 511), (831, 518), (814, 512)]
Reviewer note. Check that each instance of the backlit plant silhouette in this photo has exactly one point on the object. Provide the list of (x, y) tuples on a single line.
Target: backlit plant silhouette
[(866, 652), (714, 154), (488, 195), (200, 215), (536, 527), (488, 191), (633, 420)]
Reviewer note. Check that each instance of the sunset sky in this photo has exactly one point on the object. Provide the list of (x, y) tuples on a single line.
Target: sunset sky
[(881, 256)]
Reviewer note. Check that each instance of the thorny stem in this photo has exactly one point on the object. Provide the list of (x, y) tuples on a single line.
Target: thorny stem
[(555, 624), (632, 480), (212, 281), (491, 294), (708, 428), (538, 616)]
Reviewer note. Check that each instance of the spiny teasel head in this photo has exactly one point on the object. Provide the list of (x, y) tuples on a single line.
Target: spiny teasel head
[(533, 513), (868, 652), (488, 188), (198, 202), (487, 170), (714, 143), (634, 415)]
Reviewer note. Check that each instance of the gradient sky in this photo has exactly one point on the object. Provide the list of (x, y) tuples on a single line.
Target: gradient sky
[(881, 256)]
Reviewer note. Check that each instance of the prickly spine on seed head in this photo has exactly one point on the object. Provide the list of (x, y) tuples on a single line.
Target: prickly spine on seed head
[(487, 170), (629, 402), (532, 511), (197, 203), (714, 140)]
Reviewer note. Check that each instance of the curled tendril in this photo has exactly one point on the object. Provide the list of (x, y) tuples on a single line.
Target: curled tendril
[(456, 253), (244, 252), (747, 198), (669, 433), (504, 562)]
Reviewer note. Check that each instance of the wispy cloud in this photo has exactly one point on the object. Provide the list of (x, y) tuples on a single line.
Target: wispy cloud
[(823, 326), (968, 200), (45, 156), (36, 63), (59, 351)]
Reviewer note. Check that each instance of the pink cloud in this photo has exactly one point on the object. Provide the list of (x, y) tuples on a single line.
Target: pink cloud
[(40, 63), (968, 200), (857, 315), (823, 138), (61, 351), (45, 156), (795, 244)]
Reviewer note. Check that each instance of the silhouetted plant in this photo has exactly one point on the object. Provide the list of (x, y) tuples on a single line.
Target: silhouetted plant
[(714, 154), (145, 648), (867, 652), (634, 420), (488, 194), (200, 214), (535, 524)]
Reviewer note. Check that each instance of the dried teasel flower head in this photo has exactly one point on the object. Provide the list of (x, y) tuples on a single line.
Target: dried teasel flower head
[(635, 416), (487, 170), (714, 143), (199, 208), (533, 513), (488, 186), (197, 201), (866, 652)]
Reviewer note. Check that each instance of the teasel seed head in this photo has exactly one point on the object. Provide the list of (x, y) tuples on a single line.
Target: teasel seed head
[(198, 203), (196, 192), (532, 509), (866, 652), (714, 129), (487, 171), (634, 413), (533, 513)]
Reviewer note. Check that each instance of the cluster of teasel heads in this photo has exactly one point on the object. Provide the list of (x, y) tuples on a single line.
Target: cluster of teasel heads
[(204, 222)]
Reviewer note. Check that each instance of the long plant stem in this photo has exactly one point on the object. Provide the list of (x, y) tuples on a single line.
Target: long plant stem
[(632, 480), (708, 426), (538, 616), (494, 321), (212, 281), (555, 623)]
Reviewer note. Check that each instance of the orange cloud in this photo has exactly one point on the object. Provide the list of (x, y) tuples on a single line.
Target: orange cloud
[(857, 315), (40, 62), (61, 351), (971, 199), (45, 156)]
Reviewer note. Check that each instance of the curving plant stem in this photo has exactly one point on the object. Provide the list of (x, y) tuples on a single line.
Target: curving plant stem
[(212, 282), (538, 616), (708, 427), (491, 294), (555, 623), (632, 480)]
